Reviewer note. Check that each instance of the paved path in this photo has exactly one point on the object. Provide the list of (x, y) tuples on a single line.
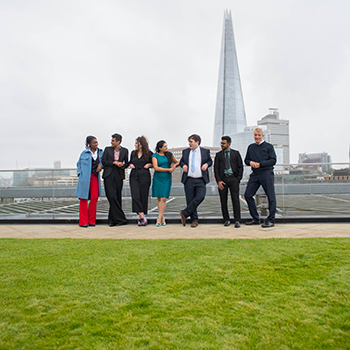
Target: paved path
[(173, 231)]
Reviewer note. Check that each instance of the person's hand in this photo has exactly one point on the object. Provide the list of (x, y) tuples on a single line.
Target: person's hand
[(99, 168), (254, 165), (172, 168), (221, 185), (119, 164), (148, 165), (132, 166), (204, 167), (185, 168)]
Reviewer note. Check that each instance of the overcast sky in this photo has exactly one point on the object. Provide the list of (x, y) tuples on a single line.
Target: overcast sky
[(73, 68)]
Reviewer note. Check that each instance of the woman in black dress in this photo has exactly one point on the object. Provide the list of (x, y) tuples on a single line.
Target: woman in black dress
[(140, 178)]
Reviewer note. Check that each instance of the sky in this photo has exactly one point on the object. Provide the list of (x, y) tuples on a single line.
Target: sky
[(69, 69)]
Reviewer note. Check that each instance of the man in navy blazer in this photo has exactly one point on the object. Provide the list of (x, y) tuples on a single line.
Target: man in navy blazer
[(114, 161), (194, 162)]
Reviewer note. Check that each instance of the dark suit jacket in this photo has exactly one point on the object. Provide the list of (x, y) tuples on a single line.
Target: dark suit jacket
[(235, 161), (108, 159), (206, 159)]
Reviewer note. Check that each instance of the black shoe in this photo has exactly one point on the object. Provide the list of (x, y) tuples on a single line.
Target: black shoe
[(227, 223), (253, 222), (120, 223), (111, 224), (267, 224), (237, 224)]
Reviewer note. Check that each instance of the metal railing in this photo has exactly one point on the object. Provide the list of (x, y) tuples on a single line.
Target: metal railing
[(302, 190)]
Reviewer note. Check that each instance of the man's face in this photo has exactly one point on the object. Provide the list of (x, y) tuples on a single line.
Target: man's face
[(225, 145), (114, 142), (258, 136), (193, 144)]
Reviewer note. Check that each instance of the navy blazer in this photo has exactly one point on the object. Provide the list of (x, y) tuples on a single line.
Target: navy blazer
[(206, 159), (108, 159), (235, 161)]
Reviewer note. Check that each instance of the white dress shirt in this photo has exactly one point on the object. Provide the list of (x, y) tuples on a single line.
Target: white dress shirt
[(94, 155), (198, 164)]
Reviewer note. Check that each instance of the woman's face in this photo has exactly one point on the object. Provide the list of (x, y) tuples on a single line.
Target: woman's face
[(164, 148), (137, 145), (94, 144)]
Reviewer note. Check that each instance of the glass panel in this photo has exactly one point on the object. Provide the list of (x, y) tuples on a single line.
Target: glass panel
[(302, 191)]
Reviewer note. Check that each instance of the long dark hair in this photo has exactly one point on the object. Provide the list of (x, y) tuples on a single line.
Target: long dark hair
[(169, 156), (88, 140), (145, 149)]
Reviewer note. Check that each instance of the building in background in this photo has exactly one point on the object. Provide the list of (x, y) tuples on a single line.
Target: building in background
[(307, 158), (278, 130), (230, 115)]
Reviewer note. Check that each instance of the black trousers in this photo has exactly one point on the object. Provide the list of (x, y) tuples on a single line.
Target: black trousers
[(140, 183), (195, 193), (232, 184), (266, 180), (113, 187)]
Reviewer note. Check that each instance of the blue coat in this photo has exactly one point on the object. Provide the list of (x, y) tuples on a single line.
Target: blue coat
[(84, 172)]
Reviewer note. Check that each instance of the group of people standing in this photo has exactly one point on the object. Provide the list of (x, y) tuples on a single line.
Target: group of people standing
[(114, 160), (195, 161)]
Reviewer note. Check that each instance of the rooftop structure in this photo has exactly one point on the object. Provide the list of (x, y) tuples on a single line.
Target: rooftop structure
[(305, 158)]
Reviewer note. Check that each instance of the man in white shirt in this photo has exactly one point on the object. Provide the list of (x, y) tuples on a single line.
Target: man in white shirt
[(195, 162)]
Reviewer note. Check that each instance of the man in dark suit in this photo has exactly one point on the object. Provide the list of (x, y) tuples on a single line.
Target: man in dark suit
[(228, 169), (195, 162), (114, 161)]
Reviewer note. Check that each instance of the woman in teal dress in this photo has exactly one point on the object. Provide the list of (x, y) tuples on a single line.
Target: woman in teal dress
[(164, 163)]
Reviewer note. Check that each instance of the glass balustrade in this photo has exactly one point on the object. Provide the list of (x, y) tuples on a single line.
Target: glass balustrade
[(302, 190)]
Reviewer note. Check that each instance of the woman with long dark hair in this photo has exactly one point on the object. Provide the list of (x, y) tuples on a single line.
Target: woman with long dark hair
[(164, 163), (89, 167), (140, 178)]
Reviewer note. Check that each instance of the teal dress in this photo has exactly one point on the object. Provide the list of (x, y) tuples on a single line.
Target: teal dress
[(161, 180)]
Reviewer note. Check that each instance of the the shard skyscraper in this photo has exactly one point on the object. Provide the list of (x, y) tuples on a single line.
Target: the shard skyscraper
[(230, 114)]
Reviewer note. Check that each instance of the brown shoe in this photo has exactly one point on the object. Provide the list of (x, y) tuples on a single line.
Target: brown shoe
[(194, 224), (183, 218)]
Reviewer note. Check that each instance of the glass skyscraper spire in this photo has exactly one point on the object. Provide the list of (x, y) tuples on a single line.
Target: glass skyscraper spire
[(229, 114)]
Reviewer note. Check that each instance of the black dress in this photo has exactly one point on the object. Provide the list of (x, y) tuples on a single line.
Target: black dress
[(140, 182)]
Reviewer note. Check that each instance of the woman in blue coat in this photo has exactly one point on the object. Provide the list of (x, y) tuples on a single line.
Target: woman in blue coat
[(89, 167)]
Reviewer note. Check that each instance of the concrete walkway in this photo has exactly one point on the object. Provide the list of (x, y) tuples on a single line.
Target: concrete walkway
[(173, 231)]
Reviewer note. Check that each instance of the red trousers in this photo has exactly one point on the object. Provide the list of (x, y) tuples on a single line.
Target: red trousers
[(87, 212)]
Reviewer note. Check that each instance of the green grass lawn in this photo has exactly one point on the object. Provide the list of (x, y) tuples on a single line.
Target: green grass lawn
[(175, 294)]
